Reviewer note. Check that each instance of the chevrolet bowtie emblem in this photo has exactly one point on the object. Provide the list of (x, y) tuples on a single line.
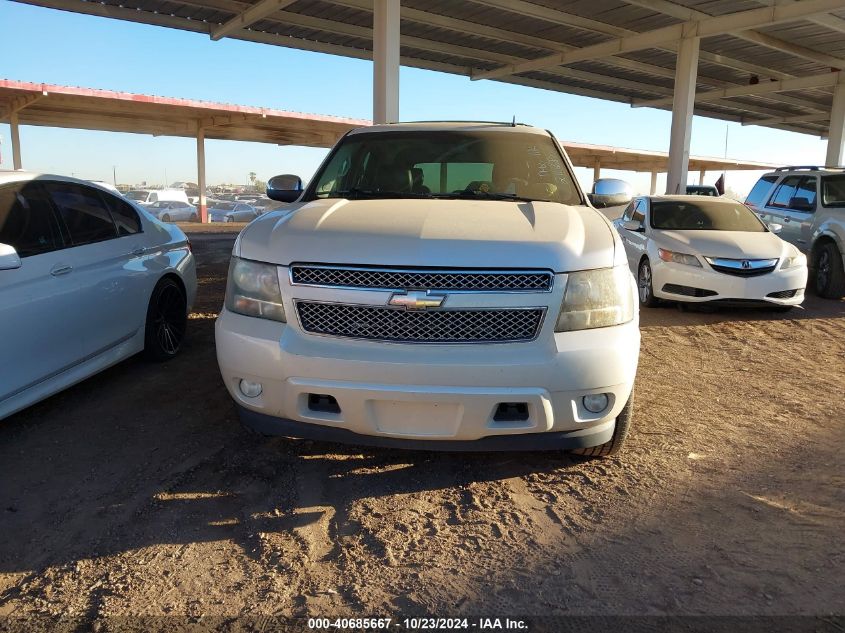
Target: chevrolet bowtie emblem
[(417, 300)]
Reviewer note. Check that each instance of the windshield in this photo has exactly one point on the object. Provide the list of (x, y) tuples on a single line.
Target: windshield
[(833, 191), (224, 206), (481, 165), (158, 205), (704, 216), (136, 195)]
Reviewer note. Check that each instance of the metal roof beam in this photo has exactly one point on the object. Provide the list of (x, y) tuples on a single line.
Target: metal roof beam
[(249, 16), (751, 35), (800, 118), (783, 85), (706, 27)]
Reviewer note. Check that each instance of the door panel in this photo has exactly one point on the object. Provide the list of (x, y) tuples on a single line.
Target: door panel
[(777, 209)]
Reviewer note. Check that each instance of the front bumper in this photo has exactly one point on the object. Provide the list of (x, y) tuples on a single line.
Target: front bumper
[(429, 396), (728, 289)]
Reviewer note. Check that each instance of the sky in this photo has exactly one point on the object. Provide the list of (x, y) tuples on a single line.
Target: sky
[(64, 48)]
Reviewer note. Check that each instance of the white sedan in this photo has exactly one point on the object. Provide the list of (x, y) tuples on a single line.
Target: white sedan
[(87, 279), (716, 250), (173, 211)]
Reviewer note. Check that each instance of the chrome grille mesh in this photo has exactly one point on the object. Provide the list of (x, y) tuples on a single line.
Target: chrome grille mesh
[(409, 326), (422, 279)]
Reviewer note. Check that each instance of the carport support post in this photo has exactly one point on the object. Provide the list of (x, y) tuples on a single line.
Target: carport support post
[(203, 209), (653, 183), (686, 71), (596, 171), (385, 61), (701, 176), (16, 141), (836, 136)]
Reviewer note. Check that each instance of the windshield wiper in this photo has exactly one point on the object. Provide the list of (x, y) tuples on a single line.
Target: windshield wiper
[(354, 193), (480, 195)]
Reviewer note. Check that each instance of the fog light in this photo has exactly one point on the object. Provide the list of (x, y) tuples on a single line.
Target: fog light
[(595, 402), (250, 389)]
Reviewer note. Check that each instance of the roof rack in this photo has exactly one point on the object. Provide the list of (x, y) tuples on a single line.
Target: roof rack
[(807, 168)]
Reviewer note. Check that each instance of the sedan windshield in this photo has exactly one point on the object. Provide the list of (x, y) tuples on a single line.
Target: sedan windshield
[(503, 165), (704, 215)]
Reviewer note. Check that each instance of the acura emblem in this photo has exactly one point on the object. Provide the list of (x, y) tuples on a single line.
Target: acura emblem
[(746, 264), (416, 300)]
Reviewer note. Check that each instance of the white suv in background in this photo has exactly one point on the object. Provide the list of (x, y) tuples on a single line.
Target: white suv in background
[(441, 286), (809, 202)]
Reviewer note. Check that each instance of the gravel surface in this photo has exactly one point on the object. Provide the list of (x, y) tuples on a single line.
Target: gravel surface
[(138, 493)]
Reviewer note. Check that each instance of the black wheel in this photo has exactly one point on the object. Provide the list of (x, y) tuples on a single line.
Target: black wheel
[(644, 285), (167, 319), (830, 276), (193, 217), (165, 217), (620, 434), (229, 218)]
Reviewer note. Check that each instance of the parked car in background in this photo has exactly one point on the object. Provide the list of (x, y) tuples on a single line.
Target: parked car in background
[(87, 279), (232, 212), (702, 190), (454, 290), (146, 197), (173, 211), (705, 250), (809, 202), (265, 205)]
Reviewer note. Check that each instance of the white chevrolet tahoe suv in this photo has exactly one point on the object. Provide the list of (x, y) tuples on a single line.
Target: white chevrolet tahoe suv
[(442, 286), (809, 203)]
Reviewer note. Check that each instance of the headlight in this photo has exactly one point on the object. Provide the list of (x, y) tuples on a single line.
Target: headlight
[(678, 258), (597, 298), (795, 260), (253, 290)]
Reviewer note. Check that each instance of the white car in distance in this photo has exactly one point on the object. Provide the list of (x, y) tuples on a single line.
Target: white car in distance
[(173, 211), (439, 286), (87, 279), (709, 250)]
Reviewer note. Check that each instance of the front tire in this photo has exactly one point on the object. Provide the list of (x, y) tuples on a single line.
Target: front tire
[(620, 434), (167, 320), (193, 217), (229, 218), (830, 276), (165, 217), (645, 289)]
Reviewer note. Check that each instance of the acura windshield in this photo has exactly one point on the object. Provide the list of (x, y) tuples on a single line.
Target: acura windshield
[(704, 215), (503, 165)]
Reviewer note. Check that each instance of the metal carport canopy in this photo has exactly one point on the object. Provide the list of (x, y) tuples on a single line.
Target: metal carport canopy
[(766, 62)]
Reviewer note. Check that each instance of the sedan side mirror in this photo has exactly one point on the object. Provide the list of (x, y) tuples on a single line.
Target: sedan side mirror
[(633, 225), (611, 192), (775, 228), (9, 259), (284, 188)]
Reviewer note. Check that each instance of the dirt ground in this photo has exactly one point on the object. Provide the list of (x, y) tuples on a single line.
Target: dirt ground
[(138, 493)]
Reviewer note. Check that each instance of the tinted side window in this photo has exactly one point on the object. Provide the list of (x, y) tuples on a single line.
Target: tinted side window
[(807, 189), (639, 212), (760, 190), (27, 222), (628, 211), (833, 191), (785, 192), (84, 214), (124, 215)]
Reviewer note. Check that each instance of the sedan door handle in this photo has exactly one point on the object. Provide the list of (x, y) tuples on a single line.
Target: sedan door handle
[(139, 251), (786, 220), (57, 271)]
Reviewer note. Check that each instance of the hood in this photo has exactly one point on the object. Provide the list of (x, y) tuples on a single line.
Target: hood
[(726, 244), (447, 233)]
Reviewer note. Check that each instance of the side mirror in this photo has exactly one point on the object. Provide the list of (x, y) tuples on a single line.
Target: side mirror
[(633, 225), (9, 259), (800, 204), (284, 188), (611, 192), (775, 228)]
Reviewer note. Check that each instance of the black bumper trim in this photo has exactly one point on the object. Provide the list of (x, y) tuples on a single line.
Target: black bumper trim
[(551, 441)]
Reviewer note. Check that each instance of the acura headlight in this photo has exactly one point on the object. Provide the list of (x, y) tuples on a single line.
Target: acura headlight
[(678, 258), (253, 290), (597, 298), (795, 260)]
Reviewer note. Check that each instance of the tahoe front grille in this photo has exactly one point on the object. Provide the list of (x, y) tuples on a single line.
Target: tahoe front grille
[(398, 325), (422, 278)]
